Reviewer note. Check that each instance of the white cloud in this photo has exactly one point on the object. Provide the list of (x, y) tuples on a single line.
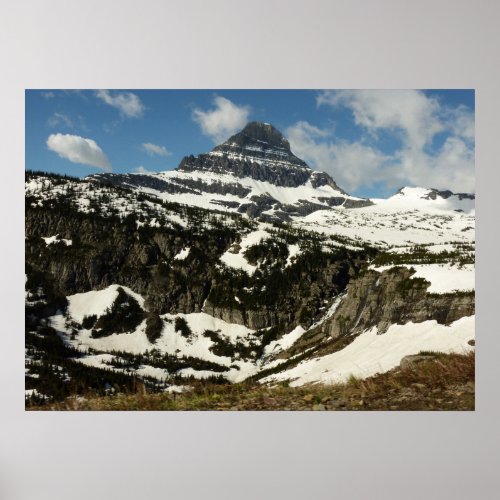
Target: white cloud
[(154, 149), (352, 165), (60, 119), (78, 150), (48, 95), (462, 122), (409, 112), (452, 167), (222, 121), (127, 103), (416, 119), (142, 170)]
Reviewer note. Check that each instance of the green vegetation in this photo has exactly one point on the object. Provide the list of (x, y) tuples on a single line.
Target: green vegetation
[(181, 326), (419, 254), (154, 327), (224, 347), (124, 316), (88, 322), (405, 286)]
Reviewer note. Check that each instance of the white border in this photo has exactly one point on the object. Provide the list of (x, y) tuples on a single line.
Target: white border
[(248, 44)]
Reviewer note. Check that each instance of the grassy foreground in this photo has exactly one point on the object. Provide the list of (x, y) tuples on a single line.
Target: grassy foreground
[(441, 382)]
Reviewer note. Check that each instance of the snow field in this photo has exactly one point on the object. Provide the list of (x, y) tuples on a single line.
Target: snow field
[(444, 278), (371, 353)]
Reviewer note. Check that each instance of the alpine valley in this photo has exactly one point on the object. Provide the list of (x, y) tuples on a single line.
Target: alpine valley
[(242, 268)]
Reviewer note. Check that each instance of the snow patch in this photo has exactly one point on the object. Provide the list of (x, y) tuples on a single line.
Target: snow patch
[(444, 278), (284, 342), (96, 302), (50, 240), (293, 252), (237, 260), (183, 254)]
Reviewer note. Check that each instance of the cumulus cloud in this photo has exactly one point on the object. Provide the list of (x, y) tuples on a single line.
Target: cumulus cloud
[(154, 149), (462, 122), (48, 95), (127, 103), (223, 120), (79, 150), (352, 165), (436, 142), (409, 112), (451, 167)]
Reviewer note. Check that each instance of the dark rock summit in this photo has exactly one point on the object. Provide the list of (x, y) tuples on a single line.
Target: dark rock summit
[(260, 152), (261, 141)]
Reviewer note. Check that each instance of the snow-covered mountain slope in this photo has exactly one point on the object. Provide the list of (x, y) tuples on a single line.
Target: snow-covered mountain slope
[(253, 172), (412, 216), (427, 200), (371, 353), (256, 174)]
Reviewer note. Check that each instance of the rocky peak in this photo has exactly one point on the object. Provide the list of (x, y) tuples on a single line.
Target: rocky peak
[(261, 135), (261, 152), (262, 143)]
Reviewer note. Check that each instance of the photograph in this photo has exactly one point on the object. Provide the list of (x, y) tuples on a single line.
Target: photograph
[(249, 249)]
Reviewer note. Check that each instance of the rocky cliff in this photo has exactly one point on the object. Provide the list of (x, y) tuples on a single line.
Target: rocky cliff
[(379, 300), (393, 297)]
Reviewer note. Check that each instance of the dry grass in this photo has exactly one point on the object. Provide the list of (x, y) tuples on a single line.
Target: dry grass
[(444, 382)]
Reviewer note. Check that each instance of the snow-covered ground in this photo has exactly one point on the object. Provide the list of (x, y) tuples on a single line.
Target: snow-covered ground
[(371, 353), (284, 342), (444, 278), (182, 254), (87, 195), (409, 218), (238, 260), (171, 341), (421, 198), (96, 302), (405, 219), (386, 229), (283, 194), (293, 252), (50, 240)]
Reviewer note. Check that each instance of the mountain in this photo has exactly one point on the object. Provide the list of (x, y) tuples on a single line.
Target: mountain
[(427, 199), (243, 264), (254, 172)]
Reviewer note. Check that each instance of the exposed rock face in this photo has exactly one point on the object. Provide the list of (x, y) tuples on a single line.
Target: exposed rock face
[(393, 297), (106, 252), (301, 303), (254, 319), (379, 300), (434, 193), (260, 152)]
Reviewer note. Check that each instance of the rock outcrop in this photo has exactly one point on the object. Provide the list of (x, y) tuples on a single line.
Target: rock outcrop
[(393, 297)]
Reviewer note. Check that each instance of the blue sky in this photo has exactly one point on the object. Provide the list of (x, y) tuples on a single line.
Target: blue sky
[(371, 142)]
